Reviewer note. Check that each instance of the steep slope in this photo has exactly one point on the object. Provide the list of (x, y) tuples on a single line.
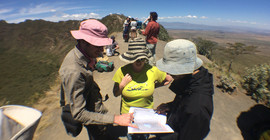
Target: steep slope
[(30, 56), (31, 53)]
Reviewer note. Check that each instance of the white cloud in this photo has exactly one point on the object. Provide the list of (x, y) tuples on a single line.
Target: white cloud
[(243, 22), (190, 16), (181, 17), (3, 11), (219, 19), (17, 20), (238, 21), (65, 17), (37, 10), (203, 17), (81, 16)]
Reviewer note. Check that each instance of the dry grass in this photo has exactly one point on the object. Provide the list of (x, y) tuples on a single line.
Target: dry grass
[(262, 41), (47, 105)]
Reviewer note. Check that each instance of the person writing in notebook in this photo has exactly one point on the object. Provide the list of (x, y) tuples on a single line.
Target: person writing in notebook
[(189, 114)]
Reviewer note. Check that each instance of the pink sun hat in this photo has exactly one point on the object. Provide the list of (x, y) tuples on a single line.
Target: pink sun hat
[(92, 31)]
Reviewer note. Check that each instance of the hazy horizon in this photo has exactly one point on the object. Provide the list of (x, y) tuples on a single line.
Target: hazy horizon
[(248, 13)]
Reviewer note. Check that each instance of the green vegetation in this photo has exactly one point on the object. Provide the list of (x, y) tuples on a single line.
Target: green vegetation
[(31, 53), (257, 83), (163, 34), (205, 47), (236, 63), (30, 56), (227, 84), (237, 49), (223, 56), (25, 75), (114, 22)]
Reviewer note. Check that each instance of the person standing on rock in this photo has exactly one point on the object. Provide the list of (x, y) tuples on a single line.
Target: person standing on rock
[(190, 112), (151, 32), (82, 93)]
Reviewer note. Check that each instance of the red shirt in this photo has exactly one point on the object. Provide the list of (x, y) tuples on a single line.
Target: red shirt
[(151, 32)]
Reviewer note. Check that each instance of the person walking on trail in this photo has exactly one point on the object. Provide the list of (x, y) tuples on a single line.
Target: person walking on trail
[(133, 32), (135, 82), (81, 91), (151, 32), (126, 29), (190, 112)]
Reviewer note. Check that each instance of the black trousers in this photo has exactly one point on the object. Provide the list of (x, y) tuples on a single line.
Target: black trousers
[(97, 132)]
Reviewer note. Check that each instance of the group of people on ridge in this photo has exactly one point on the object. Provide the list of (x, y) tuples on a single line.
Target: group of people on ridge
[(151, 32), (190, 112)]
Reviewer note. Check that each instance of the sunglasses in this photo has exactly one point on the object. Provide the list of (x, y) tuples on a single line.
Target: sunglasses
[(140, 60)]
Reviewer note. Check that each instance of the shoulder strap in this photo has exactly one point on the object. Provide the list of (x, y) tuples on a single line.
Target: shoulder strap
[(62, 96)]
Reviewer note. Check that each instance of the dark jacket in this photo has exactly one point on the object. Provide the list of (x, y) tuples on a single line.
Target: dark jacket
[(192, 109)]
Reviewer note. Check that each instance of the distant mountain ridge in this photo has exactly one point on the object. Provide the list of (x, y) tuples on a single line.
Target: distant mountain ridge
[(190, 26)]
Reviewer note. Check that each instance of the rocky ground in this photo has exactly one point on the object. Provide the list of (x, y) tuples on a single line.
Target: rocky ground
[(227, 107)]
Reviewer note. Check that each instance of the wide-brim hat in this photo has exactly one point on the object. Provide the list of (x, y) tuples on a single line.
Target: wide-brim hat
[(92, 31), (136, 50), (180, 57)]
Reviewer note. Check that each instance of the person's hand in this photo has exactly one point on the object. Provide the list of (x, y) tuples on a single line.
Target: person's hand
[(168, 79), (125, 81), (162, 109), (125, 120)]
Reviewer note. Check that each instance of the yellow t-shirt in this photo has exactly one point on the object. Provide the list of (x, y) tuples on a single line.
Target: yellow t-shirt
[(139, 92)]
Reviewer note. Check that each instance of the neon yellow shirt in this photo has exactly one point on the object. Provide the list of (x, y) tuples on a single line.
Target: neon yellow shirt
[(138, 92)]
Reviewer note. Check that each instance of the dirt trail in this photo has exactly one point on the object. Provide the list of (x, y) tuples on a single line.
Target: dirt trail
[(223, 125)]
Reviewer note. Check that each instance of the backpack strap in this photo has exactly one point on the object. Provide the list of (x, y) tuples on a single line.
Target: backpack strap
[(62, 97)]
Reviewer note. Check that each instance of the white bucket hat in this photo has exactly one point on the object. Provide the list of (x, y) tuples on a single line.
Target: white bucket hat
[(180, 57)]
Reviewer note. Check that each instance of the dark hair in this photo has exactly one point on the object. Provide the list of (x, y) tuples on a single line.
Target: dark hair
[(154, 15)]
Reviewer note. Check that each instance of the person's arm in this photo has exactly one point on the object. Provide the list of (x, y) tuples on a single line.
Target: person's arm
[(163, 78), (118, 88), (147, 19), (124, 24), (74, 87), (167, 80), (116, 45), (147, 29)]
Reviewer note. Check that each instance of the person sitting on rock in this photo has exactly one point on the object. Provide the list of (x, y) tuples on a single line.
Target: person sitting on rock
[(111, 49)]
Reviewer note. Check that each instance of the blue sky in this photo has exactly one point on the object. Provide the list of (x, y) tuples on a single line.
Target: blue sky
[(246, 13)]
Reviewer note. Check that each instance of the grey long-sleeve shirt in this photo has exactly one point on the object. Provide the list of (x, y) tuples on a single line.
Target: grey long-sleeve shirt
[(81, 91)]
